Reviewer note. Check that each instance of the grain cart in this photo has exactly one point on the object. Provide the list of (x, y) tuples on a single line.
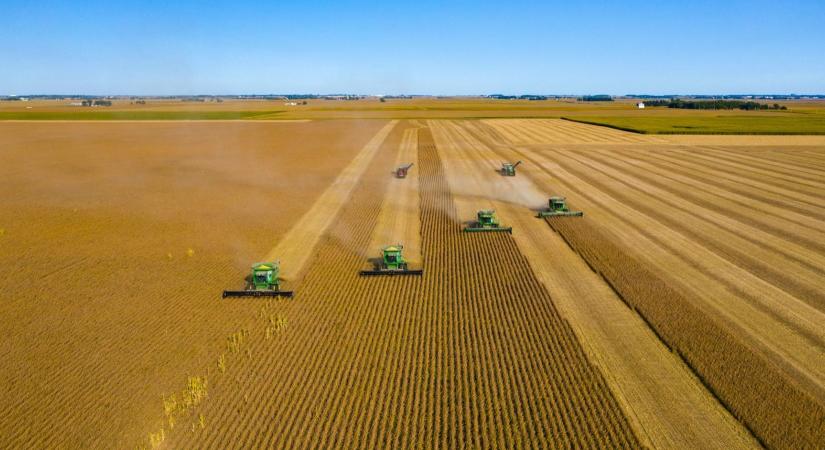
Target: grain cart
[(509, 169), (558, 207), (263, 282), (487, 221), (401, 172), (392, 262)]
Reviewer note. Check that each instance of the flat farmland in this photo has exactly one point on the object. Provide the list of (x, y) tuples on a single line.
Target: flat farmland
[(685, 309), (117, 241)]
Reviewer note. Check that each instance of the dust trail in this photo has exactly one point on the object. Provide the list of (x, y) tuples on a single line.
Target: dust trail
[(298, 244), (466, 159), (398, 222)]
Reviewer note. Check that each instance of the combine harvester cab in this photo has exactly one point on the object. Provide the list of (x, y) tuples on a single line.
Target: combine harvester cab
[(558, 208), (487, 221), (509, 169), (392, 263), (401, 172), (264, 282)]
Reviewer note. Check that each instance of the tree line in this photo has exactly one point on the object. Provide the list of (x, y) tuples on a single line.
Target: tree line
[(715, 104)]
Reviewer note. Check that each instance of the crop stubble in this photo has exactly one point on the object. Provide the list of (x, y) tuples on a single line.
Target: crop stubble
[(750, 331), (648, 380), (472, 353), (398, 222), (98, 320)]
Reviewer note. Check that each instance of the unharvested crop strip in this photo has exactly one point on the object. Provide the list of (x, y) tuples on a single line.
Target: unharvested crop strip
[(642, 372), (720, 367), (779, 414), (445, 360), (726, 290)]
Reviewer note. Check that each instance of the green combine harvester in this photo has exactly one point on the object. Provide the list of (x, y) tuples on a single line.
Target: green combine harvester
[(509, 169), (558, 208), (487, 221), (392, 263), (264, 282)]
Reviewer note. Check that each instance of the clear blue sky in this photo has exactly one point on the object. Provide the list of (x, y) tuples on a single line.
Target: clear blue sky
[(187, 47)]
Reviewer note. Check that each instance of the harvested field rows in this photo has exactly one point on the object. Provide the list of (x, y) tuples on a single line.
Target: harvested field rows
[(296, 248), (399, 221), (684, 219), (684, 310), (556, 131), (642, 372), (470, 354)]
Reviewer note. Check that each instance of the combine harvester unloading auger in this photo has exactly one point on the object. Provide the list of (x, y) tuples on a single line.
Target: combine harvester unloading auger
[(264, 282), (392, 263), (487, 221), (558, 208), (509, 169), (401, 172)]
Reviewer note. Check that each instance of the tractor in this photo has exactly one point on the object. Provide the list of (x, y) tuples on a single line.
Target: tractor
[(392, 262), (487, 221), (509, 169), (401, 172), (263, 282), (558, 208)]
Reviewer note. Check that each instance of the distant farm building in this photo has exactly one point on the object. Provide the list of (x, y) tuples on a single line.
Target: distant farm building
[(640, 105)]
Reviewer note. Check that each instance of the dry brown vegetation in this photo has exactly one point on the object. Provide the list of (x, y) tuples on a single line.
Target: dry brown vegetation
[(647, 379), (467, 355), (685, 309), (718, 249), (98, 323)]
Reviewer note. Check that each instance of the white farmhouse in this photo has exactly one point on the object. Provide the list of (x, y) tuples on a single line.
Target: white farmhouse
[(640, 105)]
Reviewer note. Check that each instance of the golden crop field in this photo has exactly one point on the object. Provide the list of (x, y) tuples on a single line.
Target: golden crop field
[(685, 309)]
